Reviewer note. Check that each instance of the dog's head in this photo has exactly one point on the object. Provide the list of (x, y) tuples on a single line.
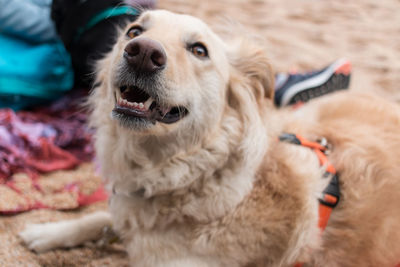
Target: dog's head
[(170, 73)]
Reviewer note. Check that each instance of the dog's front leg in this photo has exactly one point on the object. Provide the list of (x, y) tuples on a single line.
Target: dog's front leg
[(69, 233), (190, 262)]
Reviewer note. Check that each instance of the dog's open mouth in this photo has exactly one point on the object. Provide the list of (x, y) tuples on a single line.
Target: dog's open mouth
[(133, 102)]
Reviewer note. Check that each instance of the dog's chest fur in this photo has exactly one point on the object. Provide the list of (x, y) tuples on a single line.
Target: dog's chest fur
[(213, 217)]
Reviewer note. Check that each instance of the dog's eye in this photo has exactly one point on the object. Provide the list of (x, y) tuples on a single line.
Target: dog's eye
[(134, 32), (199, 50)]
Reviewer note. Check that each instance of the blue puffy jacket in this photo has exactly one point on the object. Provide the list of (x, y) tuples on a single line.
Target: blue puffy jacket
[(34, 65)]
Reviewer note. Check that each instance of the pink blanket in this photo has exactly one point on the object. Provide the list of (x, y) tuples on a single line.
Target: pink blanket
[(39, 142)]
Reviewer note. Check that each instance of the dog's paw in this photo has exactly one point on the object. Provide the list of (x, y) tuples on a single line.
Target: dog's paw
[(42, 237), (65, 234)]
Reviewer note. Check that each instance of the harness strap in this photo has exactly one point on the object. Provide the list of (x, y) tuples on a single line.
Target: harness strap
[(330, 195)]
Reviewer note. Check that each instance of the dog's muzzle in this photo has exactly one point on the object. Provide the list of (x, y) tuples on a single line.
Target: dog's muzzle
[(139, 100)]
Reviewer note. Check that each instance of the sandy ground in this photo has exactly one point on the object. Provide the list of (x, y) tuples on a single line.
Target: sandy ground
[(301, 34)]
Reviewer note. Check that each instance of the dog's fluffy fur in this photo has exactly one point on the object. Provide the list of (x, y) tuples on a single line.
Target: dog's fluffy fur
[(216, 188)]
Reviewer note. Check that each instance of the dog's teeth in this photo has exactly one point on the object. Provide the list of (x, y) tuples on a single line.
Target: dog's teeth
[(148, 103), (141, 105)]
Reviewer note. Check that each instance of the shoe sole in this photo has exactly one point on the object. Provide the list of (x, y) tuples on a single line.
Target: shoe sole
[(335, 77)]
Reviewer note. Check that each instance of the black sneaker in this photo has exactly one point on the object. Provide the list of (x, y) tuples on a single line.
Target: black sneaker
[(294, 88)]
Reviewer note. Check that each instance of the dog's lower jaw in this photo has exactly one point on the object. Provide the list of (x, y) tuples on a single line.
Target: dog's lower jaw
[(134, 124)]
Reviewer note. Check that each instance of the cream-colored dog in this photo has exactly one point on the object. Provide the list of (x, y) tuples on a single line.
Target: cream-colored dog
[(187, 139)]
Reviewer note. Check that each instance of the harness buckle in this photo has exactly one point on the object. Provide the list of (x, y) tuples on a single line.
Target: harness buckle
[(331, 194), (324, 142)]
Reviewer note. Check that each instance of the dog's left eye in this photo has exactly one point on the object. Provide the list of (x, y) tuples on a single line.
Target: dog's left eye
[(198, 50), (134, 31)]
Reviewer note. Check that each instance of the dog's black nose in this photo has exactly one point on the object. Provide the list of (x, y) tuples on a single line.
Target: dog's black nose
[(145, 55)]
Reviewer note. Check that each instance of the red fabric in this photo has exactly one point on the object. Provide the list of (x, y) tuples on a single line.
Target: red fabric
[(44, 140), (99, 195), (81, 200)]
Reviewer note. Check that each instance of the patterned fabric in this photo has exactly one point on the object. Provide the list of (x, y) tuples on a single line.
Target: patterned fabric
[(33, 143)]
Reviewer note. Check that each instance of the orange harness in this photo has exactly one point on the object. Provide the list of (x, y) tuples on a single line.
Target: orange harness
[(330, 195)]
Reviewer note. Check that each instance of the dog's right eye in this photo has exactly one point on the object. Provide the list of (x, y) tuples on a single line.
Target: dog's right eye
[(199, 50), (134, 32)]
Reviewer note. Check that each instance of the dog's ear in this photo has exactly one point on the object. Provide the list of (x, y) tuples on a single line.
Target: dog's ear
[(251, 65)]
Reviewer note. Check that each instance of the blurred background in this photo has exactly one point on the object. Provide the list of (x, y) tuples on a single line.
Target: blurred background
[(308, 34)]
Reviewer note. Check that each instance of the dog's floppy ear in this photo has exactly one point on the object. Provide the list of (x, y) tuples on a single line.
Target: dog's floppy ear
[(251, 65)]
